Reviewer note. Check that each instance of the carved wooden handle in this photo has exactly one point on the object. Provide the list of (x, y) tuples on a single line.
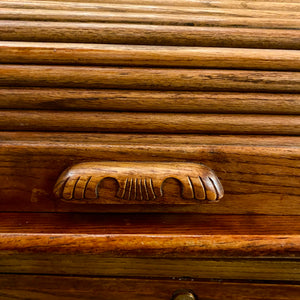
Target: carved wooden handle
[(138, 183)]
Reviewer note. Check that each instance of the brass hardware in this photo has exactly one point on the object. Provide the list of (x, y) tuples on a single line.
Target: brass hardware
[(183, 295)]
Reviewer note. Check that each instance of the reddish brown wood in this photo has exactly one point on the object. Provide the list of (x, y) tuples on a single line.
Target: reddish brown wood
[(94, 288), (259, 174)]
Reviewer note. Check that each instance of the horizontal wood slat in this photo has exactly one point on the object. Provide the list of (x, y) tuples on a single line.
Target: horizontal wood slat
[(149, 122), (134, 8), (80, 32), (150, 78), (146, 18), (161, 56), (158, 101)]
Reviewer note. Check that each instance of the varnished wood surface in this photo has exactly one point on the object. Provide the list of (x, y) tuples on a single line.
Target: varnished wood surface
[(159, 101), (38, 287), (159, 225), (139, 183), (135, 245), (95, 265), (117, 33), (137, 55), (139, 122), (289, 12), (146, 18), (260, 174), (150, 78)]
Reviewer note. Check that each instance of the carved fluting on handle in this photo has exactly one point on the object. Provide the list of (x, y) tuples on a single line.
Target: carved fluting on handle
[(138, 182)]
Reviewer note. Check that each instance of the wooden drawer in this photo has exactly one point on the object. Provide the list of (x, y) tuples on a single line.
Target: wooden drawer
[(37, 287), (259, 174)]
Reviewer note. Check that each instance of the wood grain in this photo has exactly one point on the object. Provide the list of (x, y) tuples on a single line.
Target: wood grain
[(139, 122), (158, 101), (150, 78), (134, 8), (37, 287), (150, 236), (95, 265), (146, 18), (260, 174), (254, 4), (138, 183), (80, 32), (137, 55)]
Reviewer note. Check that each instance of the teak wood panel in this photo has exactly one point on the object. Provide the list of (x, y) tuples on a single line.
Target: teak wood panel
[(37, 287), (153, 18), (259, 174), (137, 55), (150, 78), (139, 122), (158, 101), (145, 34)]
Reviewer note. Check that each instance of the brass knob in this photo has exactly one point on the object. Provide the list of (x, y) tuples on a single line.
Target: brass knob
[(183, 295)]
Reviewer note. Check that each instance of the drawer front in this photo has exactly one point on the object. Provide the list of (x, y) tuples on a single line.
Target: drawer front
[(259, 175), (58, 287)]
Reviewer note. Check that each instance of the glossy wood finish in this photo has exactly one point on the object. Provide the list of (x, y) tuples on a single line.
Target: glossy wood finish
[(159, 101), (149, 122), (260, 174), (150, 235), (131, 245), (116, 33), (38, 287), (138, 183), (137, 55), (150, 78)]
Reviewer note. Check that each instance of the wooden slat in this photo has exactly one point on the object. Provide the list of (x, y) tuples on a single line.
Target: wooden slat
[(150, 78), (149, 122), (162, 56), (148, 34), (130, 100), (133, 8), (253, 4), (260, 174), (146, 18), (37, 287)]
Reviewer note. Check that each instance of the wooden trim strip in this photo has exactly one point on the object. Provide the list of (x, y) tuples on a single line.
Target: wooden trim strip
[(131, 100), (149, 122), (158, 56), (150, 78), (80, 32)]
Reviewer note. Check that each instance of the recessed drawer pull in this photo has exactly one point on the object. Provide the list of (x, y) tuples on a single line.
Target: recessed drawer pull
[(138, 183)]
